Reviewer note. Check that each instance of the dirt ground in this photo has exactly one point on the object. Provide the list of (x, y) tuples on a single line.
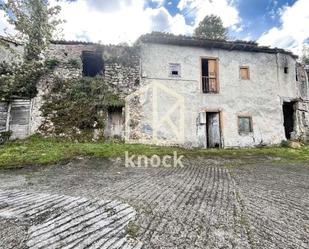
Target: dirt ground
[(208, 203)]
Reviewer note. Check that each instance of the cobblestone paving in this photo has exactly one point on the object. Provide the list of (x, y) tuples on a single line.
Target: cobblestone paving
[(60, 221), (209, 203)]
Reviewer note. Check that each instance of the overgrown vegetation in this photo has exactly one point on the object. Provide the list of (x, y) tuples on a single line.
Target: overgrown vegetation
[(36, 150), (77, 106), (35, 22), (5, 136), (20, 79)]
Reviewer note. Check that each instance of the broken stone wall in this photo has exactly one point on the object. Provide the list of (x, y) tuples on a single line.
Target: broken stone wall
[(301, 121), (302, 79), (121, 73)]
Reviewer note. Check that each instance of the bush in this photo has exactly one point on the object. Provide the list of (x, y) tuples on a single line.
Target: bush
[(78, 106), (52, 63), (5, 136)]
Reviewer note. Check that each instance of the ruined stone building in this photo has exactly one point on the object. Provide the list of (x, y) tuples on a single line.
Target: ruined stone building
[(184, 91)]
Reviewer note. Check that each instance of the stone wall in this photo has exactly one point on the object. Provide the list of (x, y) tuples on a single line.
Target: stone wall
[(301, 121), (122, 74), (121, 63)]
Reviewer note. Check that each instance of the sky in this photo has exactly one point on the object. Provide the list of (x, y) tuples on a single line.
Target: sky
[(275, 23)]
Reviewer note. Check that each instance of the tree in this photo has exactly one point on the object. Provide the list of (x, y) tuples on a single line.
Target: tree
[(305, 55), (35, 22), (211, 27)]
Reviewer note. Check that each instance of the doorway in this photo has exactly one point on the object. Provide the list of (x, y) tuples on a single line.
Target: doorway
[(213, 130), (288, 117), (115, 122)]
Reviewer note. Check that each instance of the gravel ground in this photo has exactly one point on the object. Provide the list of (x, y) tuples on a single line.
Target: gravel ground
[(208, 203)]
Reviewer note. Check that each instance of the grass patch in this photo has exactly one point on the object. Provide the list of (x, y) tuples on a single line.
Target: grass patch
[(132, 230), (37, 151)]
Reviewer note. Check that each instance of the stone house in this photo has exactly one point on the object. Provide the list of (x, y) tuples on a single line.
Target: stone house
[(117, 65), (184, 91), (204, 93)]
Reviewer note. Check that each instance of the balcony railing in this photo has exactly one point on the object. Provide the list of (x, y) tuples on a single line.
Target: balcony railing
[(209, 85)]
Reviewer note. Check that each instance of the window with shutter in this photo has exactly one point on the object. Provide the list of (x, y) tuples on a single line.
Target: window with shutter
[(210, 76), (244, 73)]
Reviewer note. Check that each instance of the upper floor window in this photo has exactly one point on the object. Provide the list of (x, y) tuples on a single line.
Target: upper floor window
[(93, 63), (245, 124), (174, 70), (286, 70), (209, 75), (244, 73)]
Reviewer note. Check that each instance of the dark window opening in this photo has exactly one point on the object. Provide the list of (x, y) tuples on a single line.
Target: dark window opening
[(296, 73), (245, 125), (209, 76), (174, 69), (286, 70), (288, 117), (93, 63)]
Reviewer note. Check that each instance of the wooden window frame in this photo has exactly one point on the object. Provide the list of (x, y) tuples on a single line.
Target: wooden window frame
[(244, 67), (238, 124), (217, 74)]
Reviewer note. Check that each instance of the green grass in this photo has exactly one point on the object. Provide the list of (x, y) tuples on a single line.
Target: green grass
[(37, 151)]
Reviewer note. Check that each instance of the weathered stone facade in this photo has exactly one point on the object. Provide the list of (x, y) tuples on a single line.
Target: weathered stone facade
[(121, 73), (301, 121), (162, 83), (259, 99)]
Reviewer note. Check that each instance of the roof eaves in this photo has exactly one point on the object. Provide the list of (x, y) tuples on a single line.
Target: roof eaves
[(223, 44)]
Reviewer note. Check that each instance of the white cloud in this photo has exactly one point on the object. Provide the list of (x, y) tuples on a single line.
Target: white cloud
[(5, 27), (123, 21), (294, 29), (198, 9), (161, 20)]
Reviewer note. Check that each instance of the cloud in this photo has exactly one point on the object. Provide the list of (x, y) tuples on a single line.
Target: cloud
[(5, 27), (108, 5), (198, 9), (161, 20), (124, 22), (294, 29)]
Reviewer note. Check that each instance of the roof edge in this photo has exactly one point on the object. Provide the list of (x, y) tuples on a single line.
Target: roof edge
[(181, 40)]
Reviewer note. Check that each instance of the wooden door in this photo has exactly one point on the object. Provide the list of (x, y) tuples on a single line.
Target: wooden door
[(19, 118), (4, 106), (213, 128)]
